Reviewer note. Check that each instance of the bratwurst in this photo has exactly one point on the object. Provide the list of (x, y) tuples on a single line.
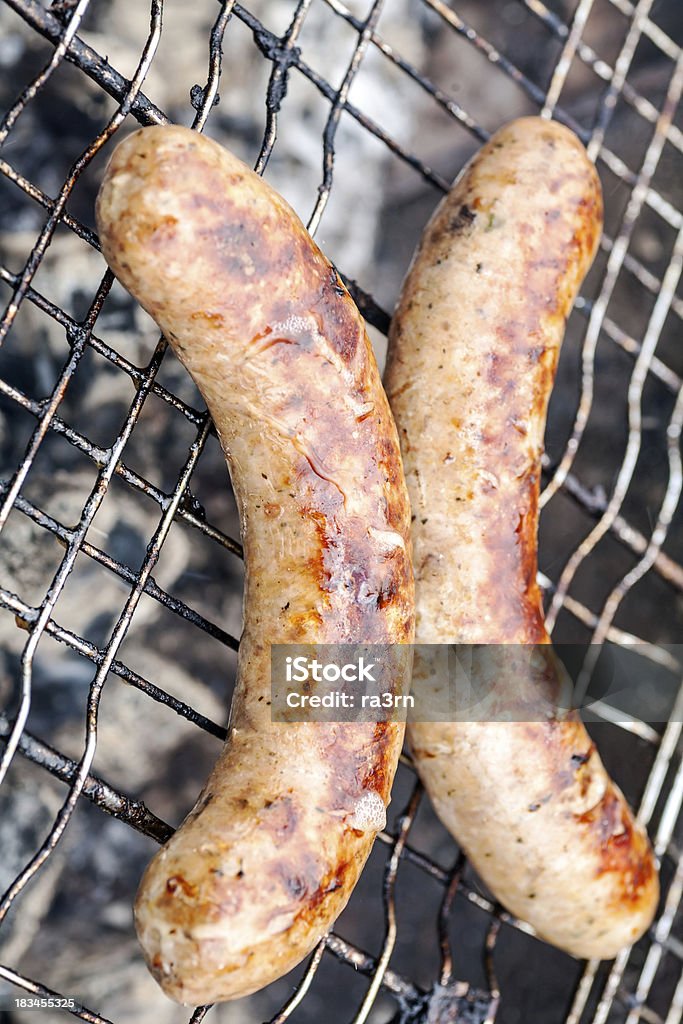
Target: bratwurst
[(472, 354), (267, 859)]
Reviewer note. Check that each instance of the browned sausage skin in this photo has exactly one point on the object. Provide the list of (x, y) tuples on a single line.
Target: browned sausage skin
[(472, 355), (269, 856)]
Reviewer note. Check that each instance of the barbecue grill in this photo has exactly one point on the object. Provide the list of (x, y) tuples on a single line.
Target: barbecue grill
[(100, 498)]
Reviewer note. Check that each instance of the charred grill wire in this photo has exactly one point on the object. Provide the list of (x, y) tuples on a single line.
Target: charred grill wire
[(645, 984)]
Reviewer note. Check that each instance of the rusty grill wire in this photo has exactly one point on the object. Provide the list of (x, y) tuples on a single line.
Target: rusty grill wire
[(621, 992)]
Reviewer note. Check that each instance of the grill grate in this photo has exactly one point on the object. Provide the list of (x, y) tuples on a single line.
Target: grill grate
[(645, 984)]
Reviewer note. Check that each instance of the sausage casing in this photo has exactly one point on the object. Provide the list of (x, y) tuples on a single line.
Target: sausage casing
[(268, 857), (472, 356)]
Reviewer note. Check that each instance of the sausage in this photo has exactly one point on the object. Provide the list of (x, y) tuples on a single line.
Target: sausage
[(472, 354), (270, 853)]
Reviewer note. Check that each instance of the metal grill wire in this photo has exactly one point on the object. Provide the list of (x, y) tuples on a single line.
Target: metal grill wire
[(621, 992)]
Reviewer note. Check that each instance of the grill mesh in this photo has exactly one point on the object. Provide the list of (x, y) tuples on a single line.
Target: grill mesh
[(645, 984)]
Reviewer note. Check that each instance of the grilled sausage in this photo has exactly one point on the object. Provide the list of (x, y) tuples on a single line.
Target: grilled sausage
[(472, 355), (269, 856)]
